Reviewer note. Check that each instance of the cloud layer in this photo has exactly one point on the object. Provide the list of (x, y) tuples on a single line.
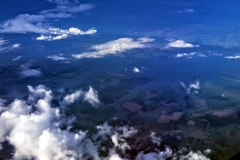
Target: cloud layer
[(26, 23), (114, 47), (33, 128)]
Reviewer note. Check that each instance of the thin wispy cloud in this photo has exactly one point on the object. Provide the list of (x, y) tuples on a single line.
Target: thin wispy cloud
[(58, 57), (186, 11), (70, 9), (5, 47), (114, 47), (60, 2), (17, 58)]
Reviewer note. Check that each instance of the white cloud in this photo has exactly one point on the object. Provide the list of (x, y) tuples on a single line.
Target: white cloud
[(17, 58), (25, 71), (233, 57), (70, 98), (180, 44), (91, 96), (58, 57), (192, 88), (57, 34), (155, 140), (119, 135), (159, 155), (188, 55), (114, 47), (136, 70), (207, 151), (193, 156)]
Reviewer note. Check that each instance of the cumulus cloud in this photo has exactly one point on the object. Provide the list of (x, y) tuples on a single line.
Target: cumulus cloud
[(207, 151), (156, 140), (26, 71), (17, 58), (114, 47), (163, 155), (194, 155), (91, 96), (33, 128), (191, 88), (233, 57), (180, 44), (71, 98), (136, 70)]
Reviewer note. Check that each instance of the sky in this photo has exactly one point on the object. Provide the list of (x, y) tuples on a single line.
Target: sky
[(168, 40)]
